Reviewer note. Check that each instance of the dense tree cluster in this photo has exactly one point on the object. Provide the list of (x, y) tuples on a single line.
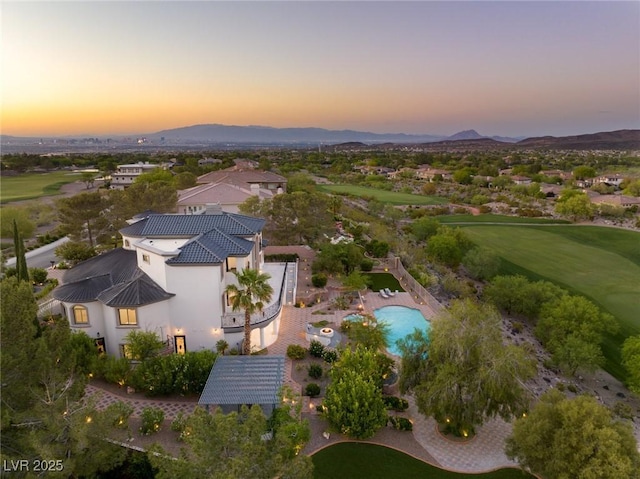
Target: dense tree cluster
[(574, 439), (464, 373)]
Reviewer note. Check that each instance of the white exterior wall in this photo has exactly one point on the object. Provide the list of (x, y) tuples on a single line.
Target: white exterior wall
[(196, 309), (96, 318), (152, 317)]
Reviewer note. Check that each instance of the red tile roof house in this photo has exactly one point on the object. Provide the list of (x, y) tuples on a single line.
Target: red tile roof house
[(170, 277)]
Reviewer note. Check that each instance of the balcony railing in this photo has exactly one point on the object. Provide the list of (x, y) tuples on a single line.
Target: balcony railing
[(236, 319)]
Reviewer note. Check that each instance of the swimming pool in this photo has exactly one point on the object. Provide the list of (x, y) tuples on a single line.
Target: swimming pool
[(401, 321)]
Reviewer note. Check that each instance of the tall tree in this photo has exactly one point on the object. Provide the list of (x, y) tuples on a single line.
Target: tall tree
[(470, 374), (574, 439), (251, 293), (43, 377), (572, 328), (83, 216), (22, 271), (234, 445), (353, 402)]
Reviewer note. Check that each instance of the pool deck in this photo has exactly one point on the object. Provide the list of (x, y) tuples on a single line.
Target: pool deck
[(485, 452)]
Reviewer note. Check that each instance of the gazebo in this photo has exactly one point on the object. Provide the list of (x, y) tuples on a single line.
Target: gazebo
[(244, 380)]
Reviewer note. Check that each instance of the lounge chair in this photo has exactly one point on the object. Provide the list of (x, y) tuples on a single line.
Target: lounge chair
[(388, 292), (383, 294)]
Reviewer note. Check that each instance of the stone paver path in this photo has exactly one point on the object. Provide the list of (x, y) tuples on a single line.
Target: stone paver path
[(103, 398), (483, 453)]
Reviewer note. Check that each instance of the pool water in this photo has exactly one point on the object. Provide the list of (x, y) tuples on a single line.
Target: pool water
[(401, 322)]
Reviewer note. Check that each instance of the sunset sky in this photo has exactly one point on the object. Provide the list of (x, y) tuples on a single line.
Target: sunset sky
[(503, 68)]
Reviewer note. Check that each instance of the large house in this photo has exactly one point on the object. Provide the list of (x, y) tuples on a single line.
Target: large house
[(125, 175), (227, 189), (170, 277)]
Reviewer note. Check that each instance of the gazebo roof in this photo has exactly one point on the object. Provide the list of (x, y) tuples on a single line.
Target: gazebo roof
[(244, 380)]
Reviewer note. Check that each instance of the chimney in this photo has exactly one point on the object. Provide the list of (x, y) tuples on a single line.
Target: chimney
[(213, 209)]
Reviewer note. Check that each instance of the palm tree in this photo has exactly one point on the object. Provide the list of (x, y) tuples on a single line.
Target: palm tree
[(251, 285)]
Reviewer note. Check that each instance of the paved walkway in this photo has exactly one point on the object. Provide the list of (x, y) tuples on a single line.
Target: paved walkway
[(483, 453)]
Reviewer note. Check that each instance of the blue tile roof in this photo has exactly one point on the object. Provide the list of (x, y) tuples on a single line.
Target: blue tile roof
[(137, 292), (191, 225), (112, 278), (244, 380)]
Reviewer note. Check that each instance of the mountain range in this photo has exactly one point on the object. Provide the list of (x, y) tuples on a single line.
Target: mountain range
[(216, 133), (199, 137)]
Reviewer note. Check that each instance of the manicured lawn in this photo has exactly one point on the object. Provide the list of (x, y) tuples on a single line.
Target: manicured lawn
[(600, 263), (489, 218), (384, 280), (383, 196), (349, 460), (34, 185)]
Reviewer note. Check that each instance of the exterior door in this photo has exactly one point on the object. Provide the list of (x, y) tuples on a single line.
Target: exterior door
[(181, 344), (100, 344)]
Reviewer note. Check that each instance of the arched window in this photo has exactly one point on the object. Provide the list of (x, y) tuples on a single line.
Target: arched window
[(80, 315)]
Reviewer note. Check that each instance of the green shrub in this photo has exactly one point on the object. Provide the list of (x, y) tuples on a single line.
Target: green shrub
[(330, 355), (115, 370), (560, 387), (400, 423), (38, 275), (395, 403), (295, 351), (319, 280), (572, 388), (179, 425), (281, 258), (222, 346), (152, 418), (312, 390), (316, 349), (174, 374), (517, 326), (366, 264), (623, 410), (315, 371), (118, 414)]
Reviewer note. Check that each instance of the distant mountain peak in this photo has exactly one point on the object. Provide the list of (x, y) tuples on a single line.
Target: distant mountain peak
[(466, 135)]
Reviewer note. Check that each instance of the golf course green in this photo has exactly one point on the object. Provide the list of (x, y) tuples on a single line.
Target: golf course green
[(383, 196), (600, 263)]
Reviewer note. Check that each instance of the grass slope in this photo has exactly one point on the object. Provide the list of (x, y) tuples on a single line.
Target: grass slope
[(383, 196), (489, 218), (349, 460), (602, 264), (34, 185)]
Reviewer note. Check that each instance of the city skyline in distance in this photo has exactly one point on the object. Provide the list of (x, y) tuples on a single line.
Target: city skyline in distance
[(433, 68)]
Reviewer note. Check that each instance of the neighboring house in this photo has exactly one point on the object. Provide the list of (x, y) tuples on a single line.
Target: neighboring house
[(373, 170), (429, 174), (551, 191), (616, 200), (170, 277), (225, 196), (521, 180), (246, 178), (410, 172), (125, 175), (565, 176), (610, 179)]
